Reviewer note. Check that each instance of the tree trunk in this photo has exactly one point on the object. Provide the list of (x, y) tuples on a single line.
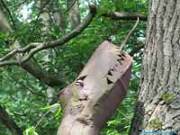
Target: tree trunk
[(158, 106), (74, 13), (9, 122), (93, 97)]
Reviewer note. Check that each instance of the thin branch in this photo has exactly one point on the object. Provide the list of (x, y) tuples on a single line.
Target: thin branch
[(33, 48), (129, 34), (125, 16), (49, 78), (41, 118), (8, 63), (20, 50)]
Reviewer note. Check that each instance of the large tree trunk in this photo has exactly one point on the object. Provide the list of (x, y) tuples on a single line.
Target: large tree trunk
[(93, 97), (158, 106)]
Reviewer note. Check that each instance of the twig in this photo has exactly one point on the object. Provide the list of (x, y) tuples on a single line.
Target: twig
[(42, 117), (8, 63), (20, 50), (129, 34)]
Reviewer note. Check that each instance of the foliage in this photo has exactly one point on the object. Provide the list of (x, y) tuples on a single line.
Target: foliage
[(30, 131), (25, 98)]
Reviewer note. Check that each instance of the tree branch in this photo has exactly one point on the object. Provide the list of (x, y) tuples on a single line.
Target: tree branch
[(129, 34), (136, 49), (31, 66), (31, 49), (9, 13), (9, 122), (50, 79), (125, 16), (15, 51)]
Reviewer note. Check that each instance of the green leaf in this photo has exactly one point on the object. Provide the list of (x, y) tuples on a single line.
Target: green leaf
[(52, 108), (30, 131)]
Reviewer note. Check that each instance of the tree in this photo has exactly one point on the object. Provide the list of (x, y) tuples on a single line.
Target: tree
[(158, 101)]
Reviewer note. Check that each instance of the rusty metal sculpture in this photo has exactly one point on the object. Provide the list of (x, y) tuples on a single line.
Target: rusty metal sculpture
[(93, 97)]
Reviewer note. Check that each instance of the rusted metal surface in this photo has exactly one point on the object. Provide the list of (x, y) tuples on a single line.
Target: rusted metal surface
[(96, 93)]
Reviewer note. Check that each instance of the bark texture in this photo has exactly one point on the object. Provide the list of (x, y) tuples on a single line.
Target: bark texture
[(93, 97), (158, 106)]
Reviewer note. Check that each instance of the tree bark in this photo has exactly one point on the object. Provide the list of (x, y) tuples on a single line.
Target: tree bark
[(158, 106), (9, 122), (58, 16), (94, 96)]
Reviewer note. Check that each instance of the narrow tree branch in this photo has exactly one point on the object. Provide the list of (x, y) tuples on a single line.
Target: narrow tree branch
[(129, 34), (50, 79), (21, 50), (36, 47), (9, 13), (9, 122), (125, 16), (8, 63)]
